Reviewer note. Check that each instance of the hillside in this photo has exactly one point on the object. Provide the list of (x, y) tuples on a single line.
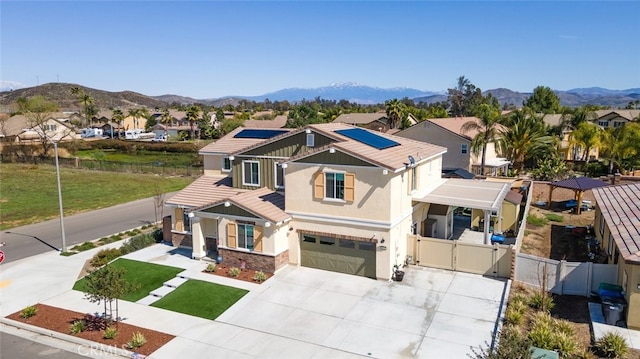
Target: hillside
[(61, 94)]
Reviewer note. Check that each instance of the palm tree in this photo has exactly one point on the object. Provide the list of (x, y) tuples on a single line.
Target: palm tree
[(192, 116), (524, 136), (117, 116), (587, 136), (166, 118), (136, 113), (396, 111), (87, 103), (487, 128), (621, 143)]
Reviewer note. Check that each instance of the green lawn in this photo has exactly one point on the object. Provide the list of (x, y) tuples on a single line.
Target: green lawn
[(29, 193), (149, 276), (166, 158), (201, 299)]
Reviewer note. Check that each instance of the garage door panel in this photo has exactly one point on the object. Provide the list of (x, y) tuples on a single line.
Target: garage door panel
[(332, 255)]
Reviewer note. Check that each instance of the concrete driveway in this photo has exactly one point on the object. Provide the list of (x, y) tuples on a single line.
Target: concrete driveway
[(431, 314), (300, 312)]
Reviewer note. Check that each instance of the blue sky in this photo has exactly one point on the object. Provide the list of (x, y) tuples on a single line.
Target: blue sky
[(210, 49)]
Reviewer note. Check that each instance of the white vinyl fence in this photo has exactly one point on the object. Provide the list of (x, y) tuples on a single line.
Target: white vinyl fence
[(562, 277)]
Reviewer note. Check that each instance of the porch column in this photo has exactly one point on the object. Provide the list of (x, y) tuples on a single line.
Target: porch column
[(197, 239), (487, 220)]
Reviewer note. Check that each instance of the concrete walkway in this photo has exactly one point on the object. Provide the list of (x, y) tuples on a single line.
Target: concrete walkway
[(300, 312)]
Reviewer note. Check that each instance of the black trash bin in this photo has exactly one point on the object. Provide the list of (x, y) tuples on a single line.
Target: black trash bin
[(613, 309)]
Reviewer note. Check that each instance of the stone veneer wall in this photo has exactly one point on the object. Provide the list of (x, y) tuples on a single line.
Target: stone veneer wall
[(255, 261)]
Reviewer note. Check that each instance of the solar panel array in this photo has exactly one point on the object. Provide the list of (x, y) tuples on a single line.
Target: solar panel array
[(259, 133), (368, 138)]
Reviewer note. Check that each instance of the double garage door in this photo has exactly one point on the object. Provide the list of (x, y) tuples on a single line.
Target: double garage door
[(338, 255)]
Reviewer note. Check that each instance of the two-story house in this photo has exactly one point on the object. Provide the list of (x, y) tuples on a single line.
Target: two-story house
[(448, 133), (614, 118), (329, 196), (617, 226)]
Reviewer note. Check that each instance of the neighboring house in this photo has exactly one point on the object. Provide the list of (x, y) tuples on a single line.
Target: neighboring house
[(329, 196), (374, 121), (617, 226), (569, 151), (22, 129), (615, 118), (447, 132), (278, 122)]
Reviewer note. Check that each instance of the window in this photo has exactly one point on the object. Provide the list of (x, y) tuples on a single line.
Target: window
[(347, 243), (309, 239), (279, 175), (310, 139), (464, 148), (334, 185), (604, 123), (413, 173), (328, 241), (617, 124), (251, 173), (245, 236), (187, 221), (226, 164)]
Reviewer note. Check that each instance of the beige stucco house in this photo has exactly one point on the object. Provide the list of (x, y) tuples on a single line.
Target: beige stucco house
[(614, 118), (447, 132), (55, 126), (329, 196), (617, 226), (377, 121)]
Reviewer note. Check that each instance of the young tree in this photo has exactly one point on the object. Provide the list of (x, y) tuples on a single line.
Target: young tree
[(106, 285), (543, 100), (37, 109), (487, 129)]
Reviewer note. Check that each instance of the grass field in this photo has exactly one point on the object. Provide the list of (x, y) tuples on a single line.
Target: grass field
[(200, 299), (29, 193), (149, 276), (165, 158)]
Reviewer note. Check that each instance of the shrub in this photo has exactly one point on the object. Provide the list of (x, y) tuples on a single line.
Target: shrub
[(534, 220), (110, 333), (563, 326), (211, 267), (137, 340), (78, 326), (105, 256), (565, 344), (157, 235), (137, 243), (541, 301), (67, 254), (511, 344), (84, 246), (553, 217), (513, 316), (612, 345), (542, 336), (234, 271), (29, 312), (259, 276)]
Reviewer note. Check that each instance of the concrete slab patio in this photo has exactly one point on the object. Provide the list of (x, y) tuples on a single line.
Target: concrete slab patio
[(300, 312)]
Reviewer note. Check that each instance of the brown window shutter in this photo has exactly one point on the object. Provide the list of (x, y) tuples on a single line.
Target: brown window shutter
[(349, 187), (318, 186), (232, 235), (257, 239), (179, 225)]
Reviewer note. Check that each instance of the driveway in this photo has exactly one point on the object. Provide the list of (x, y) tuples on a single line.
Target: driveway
[(300, 312)]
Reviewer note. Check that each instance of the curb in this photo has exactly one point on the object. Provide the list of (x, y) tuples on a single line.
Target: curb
[(90, 345)]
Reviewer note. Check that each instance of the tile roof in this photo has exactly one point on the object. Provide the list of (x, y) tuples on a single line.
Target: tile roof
[(204, 190), (393, 158), (454, 124), (360, 118), (620, 206), (229, 144), (278, 122), (628, 114)]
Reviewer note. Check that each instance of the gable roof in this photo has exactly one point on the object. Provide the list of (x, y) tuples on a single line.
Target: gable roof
[(626, 114), (579, 183), (278, 122), (620, 207), (393, 158), (454, 125), (230, 144)]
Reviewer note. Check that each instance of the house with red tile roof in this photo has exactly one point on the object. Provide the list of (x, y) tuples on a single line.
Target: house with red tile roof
[(330, 196)]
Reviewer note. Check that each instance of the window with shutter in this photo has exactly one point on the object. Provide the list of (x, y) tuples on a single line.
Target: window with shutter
[(232, 235)]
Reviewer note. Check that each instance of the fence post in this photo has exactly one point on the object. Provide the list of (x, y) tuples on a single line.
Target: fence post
[(589, 279), (562, 272)]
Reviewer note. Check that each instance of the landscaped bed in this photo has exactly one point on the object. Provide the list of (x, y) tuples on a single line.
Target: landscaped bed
[(247, 275), (148, 276), (61, 320), (200, 299)]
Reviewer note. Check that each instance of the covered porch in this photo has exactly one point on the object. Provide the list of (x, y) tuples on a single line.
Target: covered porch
[(484, 198)]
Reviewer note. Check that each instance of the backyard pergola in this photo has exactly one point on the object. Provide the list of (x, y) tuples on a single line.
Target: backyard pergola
[(578, 185)]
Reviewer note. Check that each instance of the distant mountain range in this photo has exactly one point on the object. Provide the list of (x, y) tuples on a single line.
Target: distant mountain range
[(352, 92)]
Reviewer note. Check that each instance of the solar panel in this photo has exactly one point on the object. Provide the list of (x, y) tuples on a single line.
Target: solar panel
[(258, 133), (368, 138)]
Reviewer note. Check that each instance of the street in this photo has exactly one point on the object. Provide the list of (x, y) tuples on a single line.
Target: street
[(26, 241)]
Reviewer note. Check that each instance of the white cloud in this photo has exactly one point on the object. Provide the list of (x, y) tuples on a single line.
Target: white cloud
[(11, 85)]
